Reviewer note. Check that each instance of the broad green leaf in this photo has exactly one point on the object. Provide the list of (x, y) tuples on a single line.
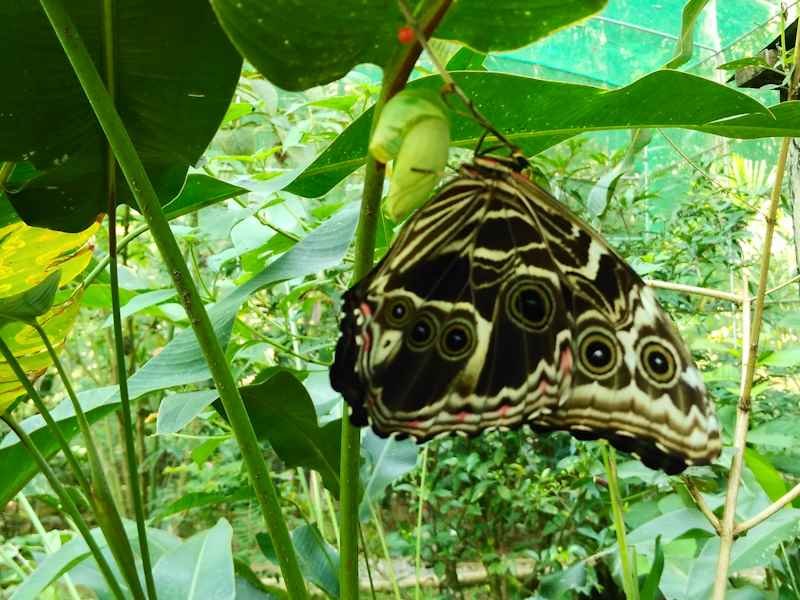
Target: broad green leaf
[(561, 585), (766, 475), (32, 303), (388, 459), (319, 561), (778, 433), (75, 552), (178, 410), (786, 358), (171, 107), (536, 114), (142, 301), (756, 548), (181, 361), (319, 42), (669, 526), (200, 568), (685, 48), (16, 465), (283, 413)]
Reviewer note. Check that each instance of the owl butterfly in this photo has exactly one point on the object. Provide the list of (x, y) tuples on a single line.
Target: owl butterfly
[(497, 307)]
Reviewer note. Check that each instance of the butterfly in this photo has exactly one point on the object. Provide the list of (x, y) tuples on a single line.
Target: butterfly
[(497, 307)]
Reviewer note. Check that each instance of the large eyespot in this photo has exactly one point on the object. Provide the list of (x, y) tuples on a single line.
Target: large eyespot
[(457, 339), (530, 304), (658, 361), (598, 352), (398, 311), (422, 333)]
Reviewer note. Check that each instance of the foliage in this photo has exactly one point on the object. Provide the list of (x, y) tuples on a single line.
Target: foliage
[(266, 222)]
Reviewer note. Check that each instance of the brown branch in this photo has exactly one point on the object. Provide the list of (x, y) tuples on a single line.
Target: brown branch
[(701, 504)]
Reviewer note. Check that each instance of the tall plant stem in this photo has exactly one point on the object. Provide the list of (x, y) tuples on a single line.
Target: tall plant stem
[(150, 207), (629, 582), (396, 75), (750, 354), (19, 373), (420, 508), (122, 372), (105, 508), (125, 404), (68, 504)]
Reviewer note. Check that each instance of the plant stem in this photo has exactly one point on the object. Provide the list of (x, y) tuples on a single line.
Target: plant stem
[(750, 354), (385, 548), (629, 582), (700, 291), (125, 403), (105, 508), (396, 73), (150, 207), (421, 506), (67, 502), (701, 504), (48, 418)]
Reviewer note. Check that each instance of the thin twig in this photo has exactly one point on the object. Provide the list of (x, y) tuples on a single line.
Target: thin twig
[(701, 504), (782, 285), (699, 291), (768, 512)]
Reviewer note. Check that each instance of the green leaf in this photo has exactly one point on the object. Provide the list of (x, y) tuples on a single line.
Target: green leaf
[(181, 362), (536, 114), (766, 475), (194, 500), (670, 526), (388, 459), (685, 49), (142, 301), (319, 561), (178, 410), (75, 552), (757, 547), (784, 359), (16, 465), (201, 453), (198, 192), (283, 413), (171, 107), (200, 568), (561, 584), (31, 303), (319, 42), (650, 587), (778, 433)]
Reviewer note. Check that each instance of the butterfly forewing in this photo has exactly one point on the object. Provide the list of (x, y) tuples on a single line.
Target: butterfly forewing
[(497, 307)]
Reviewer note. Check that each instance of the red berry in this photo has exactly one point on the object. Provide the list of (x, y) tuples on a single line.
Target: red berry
[(405, 35)]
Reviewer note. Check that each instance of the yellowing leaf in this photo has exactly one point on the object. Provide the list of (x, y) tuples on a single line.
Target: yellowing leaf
[(27, 256)]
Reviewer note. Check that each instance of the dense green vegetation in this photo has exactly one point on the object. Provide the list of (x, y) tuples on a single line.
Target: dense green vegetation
[(265, 234)]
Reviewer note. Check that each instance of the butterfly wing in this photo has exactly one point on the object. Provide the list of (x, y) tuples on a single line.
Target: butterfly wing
[(428, 344), (634, 383), (497, 307)]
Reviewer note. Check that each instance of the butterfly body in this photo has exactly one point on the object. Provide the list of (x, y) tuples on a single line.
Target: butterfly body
[(497, 307)]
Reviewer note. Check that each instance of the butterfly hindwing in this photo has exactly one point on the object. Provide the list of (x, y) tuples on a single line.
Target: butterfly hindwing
[(497, 307)]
